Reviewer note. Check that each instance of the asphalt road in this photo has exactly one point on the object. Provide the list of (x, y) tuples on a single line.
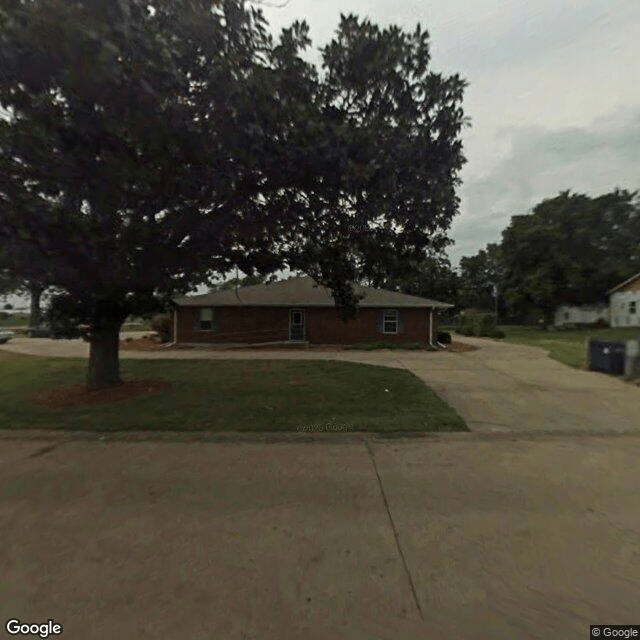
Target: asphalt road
[(465, 536)]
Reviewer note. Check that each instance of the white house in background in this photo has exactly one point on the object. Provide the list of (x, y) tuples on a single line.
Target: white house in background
[(624, 302), (567, 315)]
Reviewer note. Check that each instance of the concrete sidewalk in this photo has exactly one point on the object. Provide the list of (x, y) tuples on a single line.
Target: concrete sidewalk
[(500, 387), (470, 538)]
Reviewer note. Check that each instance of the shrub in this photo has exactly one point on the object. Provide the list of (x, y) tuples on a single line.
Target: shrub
[(465, 325), (161, 324), (476, 324), (484, 324), (8, 306), (443, 337), (497, 333)]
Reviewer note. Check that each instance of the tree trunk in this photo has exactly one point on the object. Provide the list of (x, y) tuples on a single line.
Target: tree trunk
[(35, 291), (104, 363)]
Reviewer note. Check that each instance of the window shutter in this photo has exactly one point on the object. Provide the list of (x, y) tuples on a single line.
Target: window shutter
[(380, 320), (196, 319)]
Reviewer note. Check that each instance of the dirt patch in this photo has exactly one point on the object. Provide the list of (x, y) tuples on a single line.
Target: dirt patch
[(460, 347), (146, 343), (78, 395)]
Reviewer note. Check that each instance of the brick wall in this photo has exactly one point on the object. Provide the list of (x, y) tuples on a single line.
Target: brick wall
[(323, 326), (236, 324)]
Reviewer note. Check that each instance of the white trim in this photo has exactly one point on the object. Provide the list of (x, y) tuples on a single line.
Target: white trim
[(431, 327), (212, 321), (303, 324), (396, 319)]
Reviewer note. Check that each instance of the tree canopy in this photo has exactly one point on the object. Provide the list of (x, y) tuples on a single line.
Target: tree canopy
[(150, 146), (481, 278), (429, 277), (571, 249)]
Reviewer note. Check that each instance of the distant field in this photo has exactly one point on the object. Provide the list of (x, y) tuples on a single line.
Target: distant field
[(13, 320), (566, 346), (136, 324), (22, 320)]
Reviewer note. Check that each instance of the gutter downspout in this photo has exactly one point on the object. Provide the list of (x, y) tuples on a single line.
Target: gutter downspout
[(431, 328), (175, 329), (442, 346)]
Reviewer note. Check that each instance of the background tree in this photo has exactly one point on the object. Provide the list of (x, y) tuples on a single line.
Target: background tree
[(232, 283), (481, 279), (151, 146), (431, 277), (11, 283), (570, 250)]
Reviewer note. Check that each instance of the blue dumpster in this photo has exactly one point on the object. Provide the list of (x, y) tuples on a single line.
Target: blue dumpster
[(607, 356)]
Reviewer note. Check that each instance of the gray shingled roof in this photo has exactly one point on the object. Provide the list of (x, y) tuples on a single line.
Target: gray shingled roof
[(301, 292)]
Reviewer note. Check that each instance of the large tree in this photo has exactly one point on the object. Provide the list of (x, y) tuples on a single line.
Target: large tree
[(570, 250), (149, 146), (396, 126)]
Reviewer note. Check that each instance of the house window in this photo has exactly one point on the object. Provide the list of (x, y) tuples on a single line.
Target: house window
[(566, 315), (390, 321), (206, 320), (632, 306)]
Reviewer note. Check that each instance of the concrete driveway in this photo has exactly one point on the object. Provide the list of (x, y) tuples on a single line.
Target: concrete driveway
[(465, 536), (500, 387)]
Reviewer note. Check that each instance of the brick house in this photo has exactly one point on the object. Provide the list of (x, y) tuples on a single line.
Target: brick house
[(624, 303), (299, 310)]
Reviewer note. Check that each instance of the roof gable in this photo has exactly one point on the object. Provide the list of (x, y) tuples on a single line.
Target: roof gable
[(625, 283), (303, 292)]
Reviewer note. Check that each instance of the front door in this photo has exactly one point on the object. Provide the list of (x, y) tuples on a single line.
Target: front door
[(296, 324)]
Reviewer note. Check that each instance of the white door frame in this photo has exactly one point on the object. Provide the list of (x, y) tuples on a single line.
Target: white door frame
[(302, 324)]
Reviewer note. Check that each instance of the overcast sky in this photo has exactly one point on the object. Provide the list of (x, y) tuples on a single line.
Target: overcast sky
[(553, 96)]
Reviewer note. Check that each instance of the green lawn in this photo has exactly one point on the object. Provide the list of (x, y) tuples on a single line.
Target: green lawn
[(230, 395), (566, 346), (14, 320)]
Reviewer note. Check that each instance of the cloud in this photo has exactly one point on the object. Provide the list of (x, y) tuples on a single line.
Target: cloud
[(542, 162)]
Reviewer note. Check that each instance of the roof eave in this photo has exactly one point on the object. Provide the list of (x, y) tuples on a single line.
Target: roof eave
[(207, 303), (622, 284)]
